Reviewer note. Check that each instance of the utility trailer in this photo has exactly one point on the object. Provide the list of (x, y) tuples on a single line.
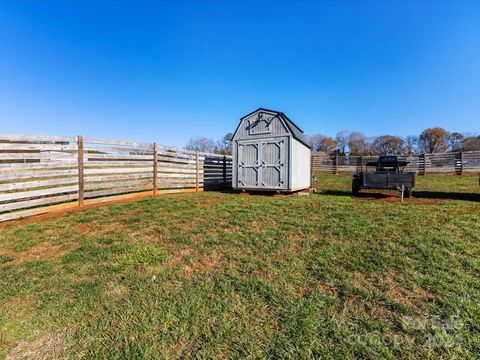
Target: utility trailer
[(385, 173)]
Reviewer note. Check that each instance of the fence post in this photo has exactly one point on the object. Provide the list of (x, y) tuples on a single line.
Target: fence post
[(80, 171), (424, 170), (461, 162), (197, 182), (336, 164), (224, 171), (312, 163), (155, 168)]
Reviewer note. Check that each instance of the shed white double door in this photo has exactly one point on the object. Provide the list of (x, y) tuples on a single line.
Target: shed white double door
[(261, 164)]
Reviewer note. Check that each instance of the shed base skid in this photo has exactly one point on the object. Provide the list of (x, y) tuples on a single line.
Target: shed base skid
[(304, 192)]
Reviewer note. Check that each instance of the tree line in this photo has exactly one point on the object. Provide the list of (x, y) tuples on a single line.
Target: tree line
[(208, 145), (431, 140)]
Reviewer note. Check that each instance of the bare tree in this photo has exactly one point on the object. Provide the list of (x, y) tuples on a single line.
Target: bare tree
[(324, 143), (358, 144), (471, 143), (224, 146), (314, 141), (410, 146), (328, 144), (342, 141), (387, 145), (202, 144), (455, 140), (433, 140)]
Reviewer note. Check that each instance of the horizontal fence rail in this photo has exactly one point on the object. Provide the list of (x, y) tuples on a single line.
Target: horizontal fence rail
[(467, 162), (39, 171)]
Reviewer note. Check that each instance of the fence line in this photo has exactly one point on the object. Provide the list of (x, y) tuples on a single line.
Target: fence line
[(460, 163), (39, 174), (39, 171)]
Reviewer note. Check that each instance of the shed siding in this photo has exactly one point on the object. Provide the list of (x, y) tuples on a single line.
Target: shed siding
[(276, 127), (269, 154), (300, 166)]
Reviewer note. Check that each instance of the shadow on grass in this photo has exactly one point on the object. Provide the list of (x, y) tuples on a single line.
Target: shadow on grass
[(416, 194), (364, 195), (224, 190), (447, 195)]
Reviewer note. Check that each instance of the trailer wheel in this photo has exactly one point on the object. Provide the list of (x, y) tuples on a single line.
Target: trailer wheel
[(355, 188), (407, 192)]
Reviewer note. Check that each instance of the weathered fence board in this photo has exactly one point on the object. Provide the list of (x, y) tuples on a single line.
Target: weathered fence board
[(448, 163), (41, 171), (37, 202), (36, 184)]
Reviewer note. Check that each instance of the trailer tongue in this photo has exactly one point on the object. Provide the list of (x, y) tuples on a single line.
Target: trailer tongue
[(388, 174)]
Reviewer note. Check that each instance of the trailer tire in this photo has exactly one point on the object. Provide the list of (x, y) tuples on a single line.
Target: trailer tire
[(407, 192)]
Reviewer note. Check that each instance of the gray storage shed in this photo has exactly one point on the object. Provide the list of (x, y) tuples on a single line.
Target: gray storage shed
[(270, 153)]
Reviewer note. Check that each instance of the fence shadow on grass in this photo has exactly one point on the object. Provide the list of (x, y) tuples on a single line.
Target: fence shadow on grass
[(447, 195), (416, 194)]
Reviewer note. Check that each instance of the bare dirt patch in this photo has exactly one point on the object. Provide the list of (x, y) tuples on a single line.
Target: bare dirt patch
[(395, 198), (84, 228), (37, 218)]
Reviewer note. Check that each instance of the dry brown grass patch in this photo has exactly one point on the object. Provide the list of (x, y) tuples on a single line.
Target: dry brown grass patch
[(210, 201), (48, 346), (42, 251), (314, 287), (113, 289), (178, 257), (20, 306), (205, 262), (388, 284)]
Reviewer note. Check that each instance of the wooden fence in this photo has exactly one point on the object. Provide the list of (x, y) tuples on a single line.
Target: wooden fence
[(36, 171), (460, 163)]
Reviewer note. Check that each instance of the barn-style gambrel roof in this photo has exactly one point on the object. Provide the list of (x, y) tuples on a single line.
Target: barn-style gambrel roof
[(296, 132)]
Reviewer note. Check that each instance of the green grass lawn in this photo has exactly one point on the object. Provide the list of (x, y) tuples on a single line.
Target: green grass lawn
[(218, 275)]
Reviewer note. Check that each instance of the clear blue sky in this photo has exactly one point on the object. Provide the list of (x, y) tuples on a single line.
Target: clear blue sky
[(167, 71)]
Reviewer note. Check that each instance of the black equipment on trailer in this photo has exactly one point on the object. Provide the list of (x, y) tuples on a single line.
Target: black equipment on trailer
[(388, 174)]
